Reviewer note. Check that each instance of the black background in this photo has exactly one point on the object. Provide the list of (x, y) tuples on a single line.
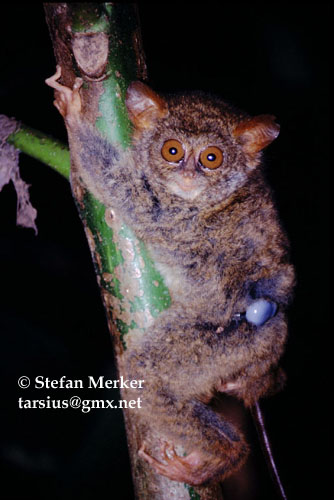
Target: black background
[(266, 59)]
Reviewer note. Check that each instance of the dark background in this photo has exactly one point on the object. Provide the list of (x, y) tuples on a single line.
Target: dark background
[(266, 59)]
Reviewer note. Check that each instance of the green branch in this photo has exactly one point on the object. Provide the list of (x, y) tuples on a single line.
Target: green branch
[(42, 147)]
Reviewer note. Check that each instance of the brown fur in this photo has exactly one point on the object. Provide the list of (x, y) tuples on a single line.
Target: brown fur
[(219, 245)]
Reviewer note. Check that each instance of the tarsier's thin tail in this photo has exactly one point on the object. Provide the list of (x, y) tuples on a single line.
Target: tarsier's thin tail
[(257, 416)]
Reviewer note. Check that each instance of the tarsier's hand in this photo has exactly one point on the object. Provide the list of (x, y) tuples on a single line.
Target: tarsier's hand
[(68, 101)]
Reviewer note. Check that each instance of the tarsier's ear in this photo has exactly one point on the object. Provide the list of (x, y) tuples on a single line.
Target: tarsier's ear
[(256, 133), (144, 105)]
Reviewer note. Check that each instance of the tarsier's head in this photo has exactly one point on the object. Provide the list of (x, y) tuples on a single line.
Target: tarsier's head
[(198, 146)]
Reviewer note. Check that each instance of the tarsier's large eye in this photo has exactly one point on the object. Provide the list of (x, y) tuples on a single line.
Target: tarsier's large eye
[(212, 157), (260, 311), (172, 151)]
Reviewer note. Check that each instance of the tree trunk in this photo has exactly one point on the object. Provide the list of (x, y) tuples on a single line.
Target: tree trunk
[(101, 43)]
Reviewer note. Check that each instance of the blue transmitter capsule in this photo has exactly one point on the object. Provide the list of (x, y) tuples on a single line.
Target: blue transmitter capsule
[(260, 311)]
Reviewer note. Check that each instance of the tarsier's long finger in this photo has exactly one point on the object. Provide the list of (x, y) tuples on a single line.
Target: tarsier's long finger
[(68, 101), (151, 460), (164, 469), (52, 82)]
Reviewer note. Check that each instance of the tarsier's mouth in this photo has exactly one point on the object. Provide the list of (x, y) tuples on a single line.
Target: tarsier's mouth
[(185, 187), (187, 184)]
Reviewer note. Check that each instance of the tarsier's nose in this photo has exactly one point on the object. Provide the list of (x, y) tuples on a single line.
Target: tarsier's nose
[(188, 168)]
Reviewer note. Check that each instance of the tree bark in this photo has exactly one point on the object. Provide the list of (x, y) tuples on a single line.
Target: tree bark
[(101, 43)]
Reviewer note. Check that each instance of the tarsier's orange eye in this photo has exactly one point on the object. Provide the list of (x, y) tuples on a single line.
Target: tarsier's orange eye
[(172, 151), (212, 157)]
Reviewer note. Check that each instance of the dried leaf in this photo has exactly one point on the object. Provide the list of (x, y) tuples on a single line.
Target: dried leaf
[(9, 171)]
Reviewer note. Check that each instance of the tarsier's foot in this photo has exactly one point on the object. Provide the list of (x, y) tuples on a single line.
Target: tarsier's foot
[(192, 469), (68, 101)]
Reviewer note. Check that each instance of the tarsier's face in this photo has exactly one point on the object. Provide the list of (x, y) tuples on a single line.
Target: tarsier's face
[(193, 146), (190, 164)]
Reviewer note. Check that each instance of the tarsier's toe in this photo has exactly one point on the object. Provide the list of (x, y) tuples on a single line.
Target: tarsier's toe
[(191, 469)]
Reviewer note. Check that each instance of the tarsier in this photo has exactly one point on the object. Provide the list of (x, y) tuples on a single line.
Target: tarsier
[(192, 188)]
